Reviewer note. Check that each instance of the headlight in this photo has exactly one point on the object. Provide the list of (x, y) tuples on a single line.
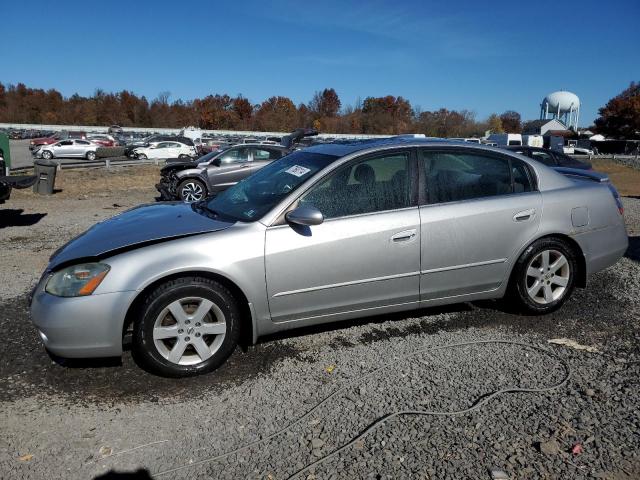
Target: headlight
[(77, 280)]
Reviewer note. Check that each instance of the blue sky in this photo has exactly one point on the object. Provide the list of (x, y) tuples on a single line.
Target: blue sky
[(481, 56)]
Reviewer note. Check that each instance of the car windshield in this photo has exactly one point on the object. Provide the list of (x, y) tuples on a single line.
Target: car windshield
[(250, 199)]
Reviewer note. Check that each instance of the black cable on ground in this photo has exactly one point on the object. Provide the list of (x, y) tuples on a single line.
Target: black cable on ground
[(386, 418)]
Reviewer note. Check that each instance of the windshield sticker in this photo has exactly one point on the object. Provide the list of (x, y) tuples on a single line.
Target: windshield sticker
[(298, 171)]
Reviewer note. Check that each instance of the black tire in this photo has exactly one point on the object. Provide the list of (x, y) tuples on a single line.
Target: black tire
[(183, 156), (144, 349), (188, 190), (141, 156), (91, 156), (522, 282), (47, 155)]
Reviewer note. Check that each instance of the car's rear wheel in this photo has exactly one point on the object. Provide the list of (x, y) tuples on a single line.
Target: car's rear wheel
[(544, 276), (187, 326), (192, 190), (141, 156), (47, 155), (91, 156)]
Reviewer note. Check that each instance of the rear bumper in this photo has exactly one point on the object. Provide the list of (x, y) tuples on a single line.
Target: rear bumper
[(81, 327), (602, 248)]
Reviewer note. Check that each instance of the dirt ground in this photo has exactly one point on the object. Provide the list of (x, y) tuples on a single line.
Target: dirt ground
[(626, 179)]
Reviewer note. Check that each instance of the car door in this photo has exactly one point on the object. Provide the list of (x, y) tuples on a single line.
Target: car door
[(234, 165), (363, 257), (80, 147), (63, 148), (160, 150), (477, 210)]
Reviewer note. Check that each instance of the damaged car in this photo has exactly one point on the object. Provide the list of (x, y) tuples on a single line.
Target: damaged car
[(327, 233), (192, 181)]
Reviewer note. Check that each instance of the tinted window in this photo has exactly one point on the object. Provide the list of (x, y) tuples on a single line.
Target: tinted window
[(453, 176), (521, 177), (82, 142), (566, 161), (371, 185), (543, 157), (65, 143)]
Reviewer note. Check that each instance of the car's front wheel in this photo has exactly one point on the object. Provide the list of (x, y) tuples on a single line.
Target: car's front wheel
[(91, 156), (544, 276), (47, 155), (141, 156), (192, 190), (187, 326)]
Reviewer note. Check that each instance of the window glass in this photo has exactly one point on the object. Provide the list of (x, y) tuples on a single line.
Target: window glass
[(235, 155), (453, 176), (162, 145), (543, 157), (372, 185), (259, 154), (521, 180), (65, 143), (254, 196), (82, 142)]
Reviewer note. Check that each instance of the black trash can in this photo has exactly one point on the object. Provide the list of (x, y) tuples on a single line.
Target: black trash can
[(45, 170)]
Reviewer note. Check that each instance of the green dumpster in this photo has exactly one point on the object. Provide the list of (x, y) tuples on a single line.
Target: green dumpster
[(5, 152)]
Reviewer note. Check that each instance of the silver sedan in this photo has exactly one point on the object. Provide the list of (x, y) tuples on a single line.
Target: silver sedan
[(327, 233), (68, 148)]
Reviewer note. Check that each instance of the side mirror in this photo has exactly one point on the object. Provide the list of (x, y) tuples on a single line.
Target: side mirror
[(305, 216), (216, 161)]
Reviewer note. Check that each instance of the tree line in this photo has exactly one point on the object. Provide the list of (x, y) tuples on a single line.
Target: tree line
[(325, 111)]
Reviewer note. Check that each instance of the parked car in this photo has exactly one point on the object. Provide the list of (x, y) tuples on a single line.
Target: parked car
[(214, 172), (129, 151), (56, 137), (103, 140), (68, 149), (330, 232), (551, 158), (165, 150)]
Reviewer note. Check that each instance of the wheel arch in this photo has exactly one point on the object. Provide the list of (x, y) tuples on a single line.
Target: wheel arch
[(581, 274), (248, 328)]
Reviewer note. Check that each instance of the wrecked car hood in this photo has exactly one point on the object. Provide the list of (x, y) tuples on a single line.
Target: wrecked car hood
[(135, 228)]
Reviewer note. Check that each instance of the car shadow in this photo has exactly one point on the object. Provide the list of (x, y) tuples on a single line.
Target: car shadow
[(142, 474), (16, 218), (633, 252)]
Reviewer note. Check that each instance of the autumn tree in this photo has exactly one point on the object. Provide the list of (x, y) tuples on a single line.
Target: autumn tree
[(511, 122), (277, 114), (494, 124), (620, 117), (387, 115)]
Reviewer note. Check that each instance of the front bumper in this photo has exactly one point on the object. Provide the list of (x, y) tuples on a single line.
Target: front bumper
[(81, 327)]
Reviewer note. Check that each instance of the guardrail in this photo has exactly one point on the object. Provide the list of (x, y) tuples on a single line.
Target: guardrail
[(104, 162)]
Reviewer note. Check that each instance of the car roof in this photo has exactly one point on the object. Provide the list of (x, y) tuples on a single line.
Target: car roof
[(342, 148)]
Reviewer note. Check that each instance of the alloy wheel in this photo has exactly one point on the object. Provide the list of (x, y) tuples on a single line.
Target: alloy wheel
[(547, 277), (192, 192), (189, 331)]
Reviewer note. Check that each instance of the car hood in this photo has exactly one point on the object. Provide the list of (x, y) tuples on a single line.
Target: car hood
[(136, 228)]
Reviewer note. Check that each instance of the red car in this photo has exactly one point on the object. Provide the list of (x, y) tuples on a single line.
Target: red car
[(103, 140), (38, 142)]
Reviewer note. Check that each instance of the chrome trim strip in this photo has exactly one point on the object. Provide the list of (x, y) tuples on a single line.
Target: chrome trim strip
[(466, 265), (346, 284)]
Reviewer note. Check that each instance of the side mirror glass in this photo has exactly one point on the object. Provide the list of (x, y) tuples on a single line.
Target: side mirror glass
[(305, 216)]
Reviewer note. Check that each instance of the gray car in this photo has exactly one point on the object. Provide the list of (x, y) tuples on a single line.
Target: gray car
[(215, 172), (327, 233)]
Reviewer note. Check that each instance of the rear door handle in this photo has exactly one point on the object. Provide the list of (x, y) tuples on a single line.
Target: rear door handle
[(524, 215), (404, 236)]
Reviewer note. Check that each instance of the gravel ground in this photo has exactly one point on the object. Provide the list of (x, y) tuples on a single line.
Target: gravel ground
[(84, 419)]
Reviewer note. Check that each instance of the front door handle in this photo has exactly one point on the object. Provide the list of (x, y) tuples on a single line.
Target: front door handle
[(246, 165), (404, 236), (524, 215)]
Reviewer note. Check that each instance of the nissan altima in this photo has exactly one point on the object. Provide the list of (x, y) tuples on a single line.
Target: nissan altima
[(331, 232)]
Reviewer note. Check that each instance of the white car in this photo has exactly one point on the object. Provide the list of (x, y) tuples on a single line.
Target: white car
[(68, 148), (165, 150)]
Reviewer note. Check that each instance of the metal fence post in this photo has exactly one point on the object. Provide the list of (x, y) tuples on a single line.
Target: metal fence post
[(107, 163)]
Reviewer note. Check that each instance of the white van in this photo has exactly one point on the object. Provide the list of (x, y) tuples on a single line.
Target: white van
[(505, 138), (533, 141)]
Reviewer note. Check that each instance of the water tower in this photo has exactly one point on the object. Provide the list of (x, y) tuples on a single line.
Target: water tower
[(562, 105)]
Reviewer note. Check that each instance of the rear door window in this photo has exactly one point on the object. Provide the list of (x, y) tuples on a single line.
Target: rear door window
[(455, 176)]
